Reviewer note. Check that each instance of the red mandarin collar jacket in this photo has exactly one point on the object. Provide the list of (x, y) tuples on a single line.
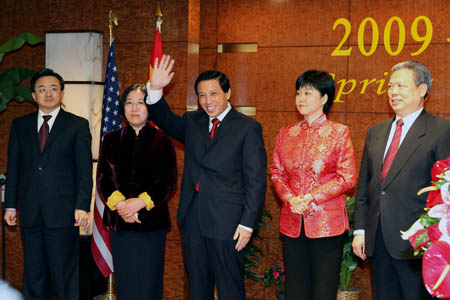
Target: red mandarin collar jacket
[(318, 159)]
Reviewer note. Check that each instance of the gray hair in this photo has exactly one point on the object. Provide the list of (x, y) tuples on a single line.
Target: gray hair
[(421, 73)]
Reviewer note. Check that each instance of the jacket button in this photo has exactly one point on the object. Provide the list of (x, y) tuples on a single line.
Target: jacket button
[(39, 169)]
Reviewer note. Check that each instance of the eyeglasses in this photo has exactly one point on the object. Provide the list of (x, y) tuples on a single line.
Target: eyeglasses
[(51, 89)]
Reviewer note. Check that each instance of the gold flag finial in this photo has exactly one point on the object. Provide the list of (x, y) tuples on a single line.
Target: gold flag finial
[(158, 13), (112, 20)]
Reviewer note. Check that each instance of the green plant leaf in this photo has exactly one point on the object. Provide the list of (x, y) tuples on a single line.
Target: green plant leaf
[(16, 75), (3, 101), (23, 92), (17, 42)]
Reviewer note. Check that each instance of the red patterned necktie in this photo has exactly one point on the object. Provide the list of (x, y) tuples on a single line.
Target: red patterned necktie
[(215, 123), (392, 151), (43, 132)]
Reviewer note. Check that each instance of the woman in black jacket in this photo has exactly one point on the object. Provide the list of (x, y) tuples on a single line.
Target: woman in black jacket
[(136, 175)]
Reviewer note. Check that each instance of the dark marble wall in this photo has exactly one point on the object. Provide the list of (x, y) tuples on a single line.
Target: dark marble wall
[(292, 36)]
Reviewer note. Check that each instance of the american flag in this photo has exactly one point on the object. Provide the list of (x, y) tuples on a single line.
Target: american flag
[(100, 246)]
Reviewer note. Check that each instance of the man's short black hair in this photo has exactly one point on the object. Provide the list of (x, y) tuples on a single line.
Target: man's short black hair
[(43, 73), (213, 74)]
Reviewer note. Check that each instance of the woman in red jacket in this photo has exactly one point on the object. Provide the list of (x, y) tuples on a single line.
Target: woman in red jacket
[(313, 167)]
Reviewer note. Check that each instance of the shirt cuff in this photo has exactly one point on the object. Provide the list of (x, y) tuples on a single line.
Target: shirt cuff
[(359, 232), (246, 228), (149, 204), (153, 96), (10, 208), (115, 198)]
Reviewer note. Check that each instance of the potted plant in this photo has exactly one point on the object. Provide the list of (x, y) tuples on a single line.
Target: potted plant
[(10, 79), (349, 260), (274, 275), (251, 259)]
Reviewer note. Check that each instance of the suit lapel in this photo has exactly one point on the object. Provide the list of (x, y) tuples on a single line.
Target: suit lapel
[(409, 145), (33, 134), (223, 127), (203, 130), (380, 146)]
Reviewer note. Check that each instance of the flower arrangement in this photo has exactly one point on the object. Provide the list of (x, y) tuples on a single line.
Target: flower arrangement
[(251, 259), (274, 275), (429, 235)]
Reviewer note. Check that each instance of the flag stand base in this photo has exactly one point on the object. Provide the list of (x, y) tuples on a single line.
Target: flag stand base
[(110, 293)]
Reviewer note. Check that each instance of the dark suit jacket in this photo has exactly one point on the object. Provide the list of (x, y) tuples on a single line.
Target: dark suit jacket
[(55, 182), (427, 141), (231, 168)]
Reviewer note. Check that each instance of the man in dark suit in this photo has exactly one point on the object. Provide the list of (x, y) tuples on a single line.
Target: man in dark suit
[(223, 185), (398, 156), (50, 180)]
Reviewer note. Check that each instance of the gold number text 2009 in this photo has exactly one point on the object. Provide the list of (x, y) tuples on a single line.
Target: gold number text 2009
[(425, 38)]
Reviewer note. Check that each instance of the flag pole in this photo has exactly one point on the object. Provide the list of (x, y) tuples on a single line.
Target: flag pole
[(112, 20), (158, 13), (110, 291)]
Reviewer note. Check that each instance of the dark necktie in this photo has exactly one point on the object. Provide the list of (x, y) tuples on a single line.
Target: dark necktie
[(392, 151), (215, 123), (43, 132)]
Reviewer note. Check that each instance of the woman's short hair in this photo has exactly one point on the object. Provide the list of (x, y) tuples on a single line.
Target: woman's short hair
[(134, 87), (321, 81)]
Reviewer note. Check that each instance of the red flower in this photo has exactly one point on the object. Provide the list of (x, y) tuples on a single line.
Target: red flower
[(419, 239), (282, 266), (434, 198), (434, 233), (436, 267), (439, 168), (276, 275)]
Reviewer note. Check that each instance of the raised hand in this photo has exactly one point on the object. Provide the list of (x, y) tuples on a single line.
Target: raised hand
[(162, 75)]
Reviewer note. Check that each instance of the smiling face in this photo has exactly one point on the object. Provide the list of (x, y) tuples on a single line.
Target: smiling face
[(404, 96), (135, 109), (48, 94), (310, 103), (212, 98)]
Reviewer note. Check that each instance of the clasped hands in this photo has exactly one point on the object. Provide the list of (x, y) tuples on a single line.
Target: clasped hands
[(128, 209), (300, 204)]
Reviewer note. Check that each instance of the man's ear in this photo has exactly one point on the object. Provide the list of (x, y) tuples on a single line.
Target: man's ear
[(228, 94), (423, 87)]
